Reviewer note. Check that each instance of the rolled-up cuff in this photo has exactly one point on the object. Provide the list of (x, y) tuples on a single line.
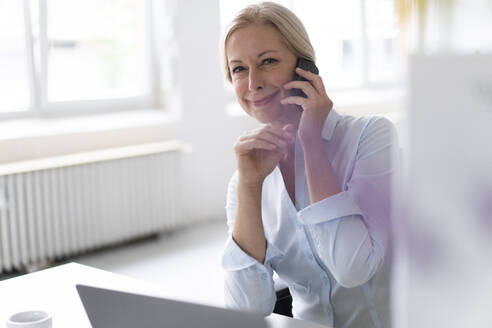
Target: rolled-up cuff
[(235, 258), (330, 208)]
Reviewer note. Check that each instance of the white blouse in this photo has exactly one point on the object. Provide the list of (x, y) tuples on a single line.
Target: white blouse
[(334, 255)]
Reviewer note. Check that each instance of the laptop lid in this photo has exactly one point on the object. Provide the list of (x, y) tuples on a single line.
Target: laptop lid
[(110, 308)]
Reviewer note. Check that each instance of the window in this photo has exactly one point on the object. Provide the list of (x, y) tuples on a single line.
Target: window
[(356, 43), (13, 58), (66, 55)]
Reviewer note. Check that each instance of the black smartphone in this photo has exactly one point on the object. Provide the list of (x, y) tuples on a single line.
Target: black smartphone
[(306, 65)]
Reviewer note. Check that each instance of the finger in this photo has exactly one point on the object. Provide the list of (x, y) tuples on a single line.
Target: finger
[(315, 79), (289, 128), (289, 134), (246, 146), (319, 85), (282, 152), (270, 134), (301, 101), (274, 139), (306, 74), (305, 86), (277, 131), (257, 144), (268, 128)]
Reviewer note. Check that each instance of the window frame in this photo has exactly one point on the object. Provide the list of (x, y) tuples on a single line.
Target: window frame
[(37, 62)]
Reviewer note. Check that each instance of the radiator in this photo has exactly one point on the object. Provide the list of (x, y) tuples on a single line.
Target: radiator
[(57, 207)]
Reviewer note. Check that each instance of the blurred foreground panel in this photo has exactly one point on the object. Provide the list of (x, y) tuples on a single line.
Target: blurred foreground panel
[(444, 276)]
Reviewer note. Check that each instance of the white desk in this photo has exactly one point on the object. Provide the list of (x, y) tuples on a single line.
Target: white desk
[(53, 290)]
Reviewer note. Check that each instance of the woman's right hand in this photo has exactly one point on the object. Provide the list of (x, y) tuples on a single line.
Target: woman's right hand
[(258, 151)]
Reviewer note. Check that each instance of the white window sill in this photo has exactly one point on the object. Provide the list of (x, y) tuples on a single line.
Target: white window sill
[(24, 128), (35, 138)]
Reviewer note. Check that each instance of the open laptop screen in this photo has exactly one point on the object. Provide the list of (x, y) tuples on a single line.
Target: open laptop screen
[(110, 308)]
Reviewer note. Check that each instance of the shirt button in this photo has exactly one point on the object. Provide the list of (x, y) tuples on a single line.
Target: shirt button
[(263, 276)]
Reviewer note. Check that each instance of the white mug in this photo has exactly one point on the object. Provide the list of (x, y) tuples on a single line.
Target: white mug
[(30, 319)]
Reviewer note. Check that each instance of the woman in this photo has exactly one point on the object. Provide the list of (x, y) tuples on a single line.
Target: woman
[(310, 198)]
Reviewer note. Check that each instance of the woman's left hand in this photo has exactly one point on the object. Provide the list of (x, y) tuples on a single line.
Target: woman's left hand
[(316, 106)]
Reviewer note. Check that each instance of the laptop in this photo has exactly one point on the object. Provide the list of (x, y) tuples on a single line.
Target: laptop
[(111, 308)]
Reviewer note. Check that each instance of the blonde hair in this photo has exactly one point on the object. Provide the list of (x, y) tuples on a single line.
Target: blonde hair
[(291, 30)]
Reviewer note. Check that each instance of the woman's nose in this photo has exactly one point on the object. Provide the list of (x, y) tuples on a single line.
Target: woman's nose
[(255, 80)]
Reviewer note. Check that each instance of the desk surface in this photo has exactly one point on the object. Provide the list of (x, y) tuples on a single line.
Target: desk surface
[(53, 290)]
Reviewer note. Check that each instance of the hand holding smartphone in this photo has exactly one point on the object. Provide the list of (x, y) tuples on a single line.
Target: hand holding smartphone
[(306, 65)]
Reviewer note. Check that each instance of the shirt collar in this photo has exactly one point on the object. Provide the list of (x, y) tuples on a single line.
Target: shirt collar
[(330, 124)]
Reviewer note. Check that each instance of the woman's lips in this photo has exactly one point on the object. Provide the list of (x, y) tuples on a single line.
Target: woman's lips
[(264, 101)]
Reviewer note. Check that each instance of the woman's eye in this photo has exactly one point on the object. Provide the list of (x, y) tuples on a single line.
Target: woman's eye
[(268, 61), (237, 69)]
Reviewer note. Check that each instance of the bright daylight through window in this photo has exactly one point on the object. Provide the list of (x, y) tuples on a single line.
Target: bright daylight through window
[(13, 58), (93, 52), (66, 54)]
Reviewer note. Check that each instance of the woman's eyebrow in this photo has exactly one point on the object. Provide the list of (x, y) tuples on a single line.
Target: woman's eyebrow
[(265, 52), (259, 55)]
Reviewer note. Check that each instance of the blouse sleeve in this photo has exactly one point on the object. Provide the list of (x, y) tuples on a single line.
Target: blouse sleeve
[(248, 284), (350, 230)]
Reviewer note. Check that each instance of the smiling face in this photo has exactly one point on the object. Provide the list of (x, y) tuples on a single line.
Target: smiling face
[(260, 64)]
